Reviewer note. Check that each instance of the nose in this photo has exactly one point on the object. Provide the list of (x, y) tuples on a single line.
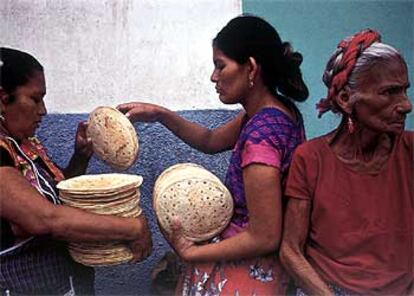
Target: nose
[(406, 106), (42, 108), (213, 76)]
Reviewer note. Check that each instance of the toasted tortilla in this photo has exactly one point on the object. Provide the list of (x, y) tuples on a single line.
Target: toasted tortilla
[(102, 183), (195, 196), (113, 136)]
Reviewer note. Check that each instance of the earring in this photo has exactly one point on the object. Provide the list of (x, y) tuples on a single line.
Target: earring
[(351, 125), (251, 83)]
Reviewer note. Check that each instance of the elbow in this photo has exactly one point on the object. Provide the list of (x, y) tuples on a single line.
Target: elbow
[(207, 148), (209, 151), (283, 254), (210, 144), (48, 223), (287, 254), (268, 244), (39, 225)]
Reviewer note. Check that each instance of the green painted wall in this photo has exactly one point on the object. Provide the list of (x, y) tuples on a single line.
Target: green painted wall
[(315, 28)]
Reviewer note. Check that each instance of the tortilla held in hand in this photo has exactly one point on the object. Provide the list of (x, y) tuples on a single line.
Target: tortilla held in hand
[(113, 136), (199, 200)]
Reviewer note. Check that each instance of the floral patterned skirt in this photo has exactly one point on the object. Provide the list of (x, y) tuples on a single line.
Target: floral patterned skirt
[(258, 276)]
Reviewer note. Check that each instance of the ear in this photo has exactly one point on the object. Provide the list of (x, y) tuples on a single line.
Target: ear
[(343, 100), (253, 68), (4, 97)]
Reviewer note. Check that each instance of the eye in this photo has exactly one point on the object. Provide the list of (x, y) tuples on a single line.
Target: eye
[(219, 65), (394, 90), (37, 99)]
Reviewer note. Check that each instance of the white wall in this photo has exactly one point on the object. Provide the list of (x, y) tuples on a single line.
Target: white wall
[(105, 52)]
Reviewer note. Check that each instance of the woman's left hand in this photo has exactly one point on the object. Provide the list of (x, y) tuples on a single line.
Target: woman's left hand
[(182, 246), (83, 145)]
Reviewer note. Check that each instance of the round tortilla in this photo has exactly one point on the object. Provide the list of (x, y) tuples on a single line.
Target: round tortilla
[(195, 196), (113, 136), (101, 183)]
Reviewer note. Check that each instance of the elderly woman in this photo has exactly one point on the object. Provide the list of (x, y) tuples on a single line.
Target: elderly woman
[(349, 220), (34, 224)]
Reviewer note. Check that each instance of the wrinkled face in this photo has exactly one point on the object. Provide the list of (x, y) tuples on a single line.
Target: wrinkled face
[(231, 78), (24, 114), (383, 102)]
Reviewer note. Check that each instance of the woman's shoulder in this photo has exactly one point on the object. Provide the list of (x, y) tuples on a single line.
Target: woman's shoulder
[(7, 152), (272, 121), (274, 127), (312, 148)]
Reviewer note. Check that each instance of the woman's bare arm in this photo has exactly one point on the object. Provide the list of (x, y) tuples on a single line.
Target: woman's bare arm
[(295, 233), (263, 195), (23, 206), (195, 135)]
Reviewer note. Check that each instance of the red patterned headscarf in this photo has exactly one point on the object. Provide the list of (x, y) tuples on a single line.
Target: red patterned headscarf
[(350, 48)]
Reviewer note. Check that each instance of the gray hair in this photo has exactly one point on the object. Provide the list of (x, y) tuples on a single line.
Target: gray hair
[(370, 56), (377, 51)]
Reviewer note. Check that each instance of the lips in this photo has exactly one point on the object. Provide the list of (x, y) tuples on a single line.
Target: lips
[(399, 121)]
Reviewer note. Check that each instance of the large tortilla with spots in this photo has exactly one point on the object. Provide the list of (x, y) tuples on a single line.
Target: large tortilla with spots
[(195, 196)]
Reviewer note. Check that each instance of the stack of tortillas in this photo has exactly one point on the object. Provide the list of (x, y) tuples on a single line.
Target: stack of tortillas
[(196, 197), (106, 194), (113, 137)]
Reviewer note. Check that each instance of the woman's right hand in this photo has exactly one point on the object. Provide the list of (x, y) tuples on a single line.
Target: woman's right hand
[(142, 246), (144, 112)]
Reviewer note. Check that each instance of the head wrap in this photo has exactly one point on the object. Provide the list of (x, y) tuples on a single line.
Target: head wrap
[(351, 48)]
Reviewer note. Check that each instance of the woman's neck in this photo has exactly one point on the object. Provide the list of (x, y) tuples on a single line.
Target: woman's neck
[(262, 98), (364, 149)]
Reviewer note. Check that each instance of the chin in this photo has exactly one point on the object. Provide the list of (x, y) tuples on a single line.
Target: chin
[(395, 130), (227, 101)]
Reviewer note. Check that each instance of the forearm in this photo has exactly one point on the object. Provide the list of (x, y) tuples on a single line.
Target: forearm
[(303, 273), (263, 234), (71, 224), (191, 133), (241, 246), (295, 235), (23, 206), (77, 166)]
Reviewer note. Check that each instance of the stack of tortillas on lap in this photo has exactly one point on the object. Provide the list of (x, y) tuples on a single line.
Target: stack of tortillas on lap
[(199, 200), (106, 194), (113, 137)]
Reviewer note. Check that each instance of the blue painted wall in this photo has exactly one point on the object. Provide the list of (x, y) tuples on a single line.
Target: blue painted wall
[(315, 27), (159, 149)]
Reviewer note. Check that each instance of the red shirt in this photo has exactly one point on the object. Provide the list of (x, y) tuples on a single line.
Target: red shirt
[(361, 225)]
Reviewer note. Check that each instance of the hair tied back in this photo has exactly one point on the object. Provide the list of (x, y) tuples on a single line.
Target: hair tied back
[(293, 58)]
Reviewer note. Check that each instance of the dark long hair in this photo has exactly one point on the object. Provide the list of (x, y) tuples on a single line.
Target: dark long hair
[(250, 36), (16, 68)]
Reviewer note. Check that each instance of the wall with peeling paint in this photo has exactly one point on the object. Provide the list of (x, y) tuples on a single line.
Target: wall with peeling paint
[(108, 52)]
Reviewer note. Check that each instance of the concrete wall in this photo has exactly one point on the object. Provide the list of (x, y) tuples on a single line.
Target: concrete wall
[(107, 52)]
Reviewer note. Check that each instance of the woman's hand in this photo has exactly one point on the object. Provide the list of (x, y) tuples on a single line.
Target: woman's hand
[(142, 246), (78, 163), (181, 245), (83, 145), (143, 112)]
